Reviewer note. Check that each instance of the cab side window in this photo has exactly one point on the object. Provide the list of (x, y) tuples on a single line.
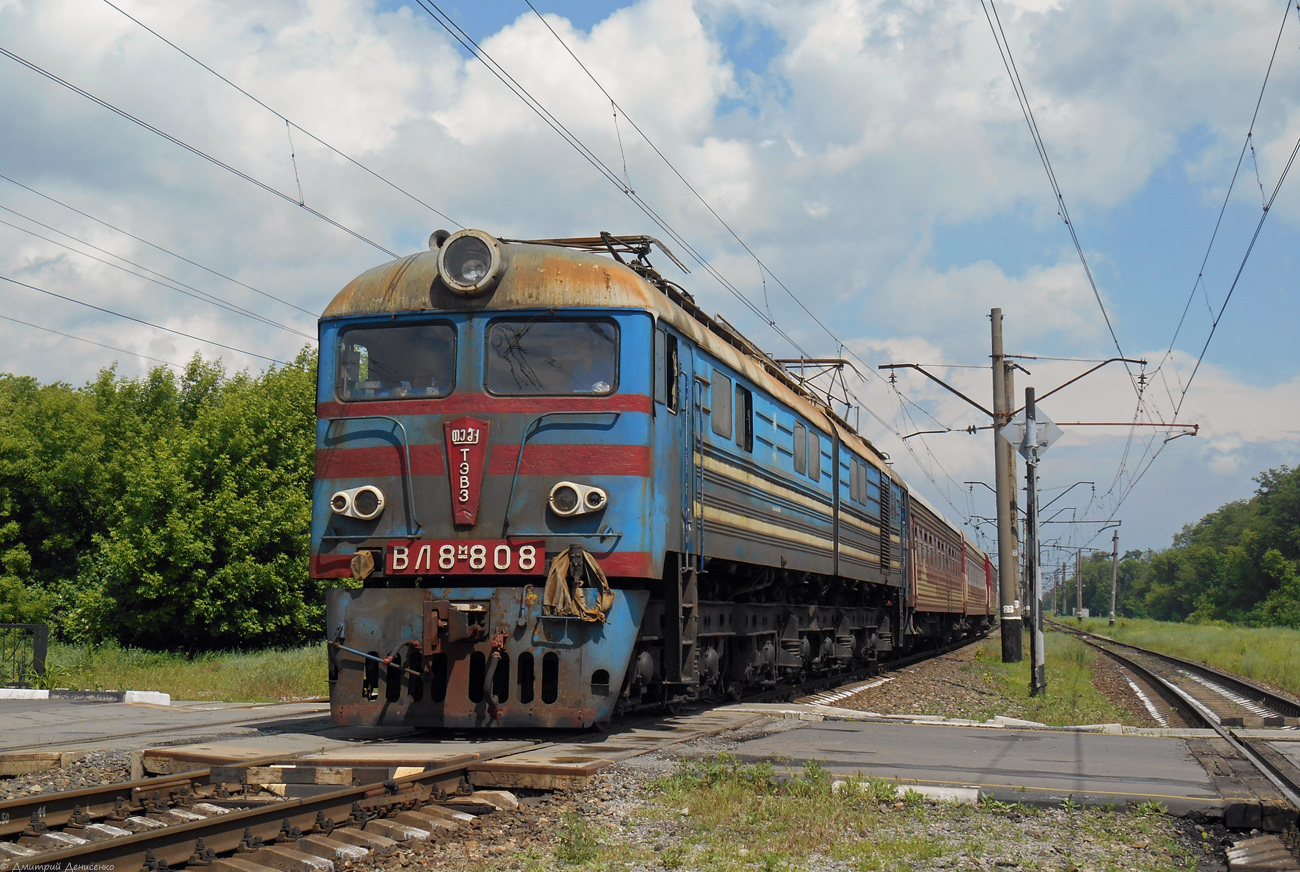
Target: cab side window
[(667, 371), (744, 415), (721, 405), (800, 448)]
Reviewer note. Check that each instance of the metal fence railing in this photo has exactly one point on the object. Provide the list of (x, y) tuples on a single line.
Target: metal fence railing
[(22, 653)]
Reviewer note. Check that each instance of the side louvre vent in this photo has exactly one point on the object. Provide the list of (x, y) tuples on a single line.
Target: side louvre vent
[(886, 525)]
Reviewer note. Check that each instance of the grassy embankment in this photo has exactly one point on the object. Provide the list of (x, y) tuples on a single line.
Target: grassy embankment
[(1266, 654), (1071, 697), (720, 816), (258, 676)]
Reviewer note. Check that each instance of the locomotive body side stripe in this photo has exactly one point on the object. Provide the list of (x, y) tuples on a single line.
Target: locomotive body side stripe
[(379, 460), (731, 523), (574, 459), (766, 485), (562, 460), (331, 566), (484, 404)]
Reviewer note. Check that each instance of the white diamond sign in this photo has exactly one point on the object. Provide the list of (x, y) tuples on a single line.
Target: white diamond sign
[(1046, 431)]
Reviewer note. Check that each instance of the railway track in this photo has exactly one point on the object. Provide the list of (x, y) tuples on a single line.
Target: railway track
[(212, 818), (1225, 704), (216, 817)]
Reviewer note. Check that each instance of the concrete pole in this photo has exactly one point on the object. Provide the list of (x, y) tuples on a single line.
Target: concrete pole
[(1114, 574), (1033, 567), (1008, 560), (1013, 488), (1078, 583)]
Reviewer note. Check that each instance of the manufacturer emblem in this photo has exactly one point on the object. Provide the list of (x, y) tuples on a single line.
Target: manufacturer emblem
[(467, 441)]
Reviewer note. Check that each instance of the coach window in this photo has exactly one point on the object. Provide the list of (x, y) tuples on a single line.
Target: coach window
[(814, 456), (744, 418), (547, 357), (800, 448), (853, 480), (396, 362), (721, 405)]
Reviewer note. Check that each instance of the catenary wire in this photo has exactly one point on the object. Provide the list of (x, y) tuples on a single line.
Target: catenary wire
[(294, 125), (478, 53), (1259, 226), (195, 150), (144, 322), (162, 280), (764, 269), (92, 342), (1008, 61), (1200, 274), (157, 247), (1185, 387)]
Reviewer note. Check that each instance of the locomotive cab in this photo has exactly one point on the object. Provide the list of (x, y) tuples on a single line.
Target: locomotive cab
[(469, 442)]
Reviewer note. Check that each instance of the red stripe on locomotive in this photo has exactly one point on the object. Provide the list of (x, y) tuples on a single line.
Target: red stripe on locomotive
[(558, 460), (468, 404)]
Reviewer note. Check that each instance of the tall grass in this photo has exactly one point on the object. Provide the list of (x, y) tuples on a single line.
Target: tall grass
[(1071, 697), (259, 676), (1266, 654)]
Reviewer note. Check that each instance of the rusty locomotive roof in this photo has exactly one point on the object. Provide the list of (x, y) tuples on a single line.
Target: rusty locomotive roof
[(551, 275), (546, 276)]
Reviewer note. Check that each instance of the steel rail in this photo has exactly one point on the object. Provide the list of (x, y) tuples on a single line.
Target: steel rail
[(180, 843), (1284, 705), (1289, 789), (56, 809)]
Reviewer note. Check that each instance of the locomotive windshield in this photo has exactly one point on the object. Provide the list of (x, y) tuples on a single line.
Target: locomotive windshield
[(396, 362), (552, 357)]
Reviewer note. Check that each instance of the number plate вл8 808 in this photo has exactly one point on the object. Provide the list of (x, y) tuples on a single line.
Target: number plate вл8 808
[(466, 557)]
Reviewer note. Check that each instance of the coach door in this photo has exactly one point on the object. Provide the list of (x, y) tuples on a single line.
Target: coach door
[(681, 594)]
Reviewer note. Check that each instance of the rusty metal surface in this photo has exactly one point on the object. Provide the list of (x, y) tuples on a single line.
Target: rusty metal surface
[(450, 635), (536, 276)]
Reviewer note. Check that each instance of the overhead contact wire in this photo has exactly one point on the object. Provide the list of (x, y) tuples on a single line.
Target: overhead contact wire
[(477, 52), (157, 247), (763, 267), (192, 149), (162, 280), (40, 290), (92, 342), (358, 164)]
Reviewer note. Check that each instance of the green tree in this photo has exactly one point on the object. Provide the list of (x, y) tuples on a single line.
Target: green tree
[(208, 541)]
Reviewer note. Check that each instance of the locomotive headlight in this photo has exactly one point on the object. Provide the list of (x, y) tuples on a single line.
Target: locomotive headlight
[(568, 498), (368, 502), (469, 262), (565, 499), (364, 503)]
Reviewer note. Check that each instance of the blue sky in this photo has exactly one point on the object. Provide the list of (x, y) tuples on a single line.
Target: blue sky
[(871, 152)]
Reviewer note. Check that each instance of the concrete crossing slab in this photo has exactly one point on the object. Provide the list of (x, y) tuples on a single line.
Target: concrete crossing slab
[(1007, 764)]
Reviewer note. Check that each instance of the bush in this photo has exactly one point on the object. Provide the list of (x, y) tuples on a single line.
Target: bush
[(169, 511)]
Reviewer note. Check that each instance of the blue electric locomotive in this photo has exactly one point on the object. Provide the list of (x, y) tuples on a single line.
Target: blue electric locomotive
[(560, 490)]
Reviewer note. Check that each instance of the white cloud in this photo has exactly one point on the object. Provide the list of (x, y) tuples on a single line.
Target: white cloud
[(877, 128)]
